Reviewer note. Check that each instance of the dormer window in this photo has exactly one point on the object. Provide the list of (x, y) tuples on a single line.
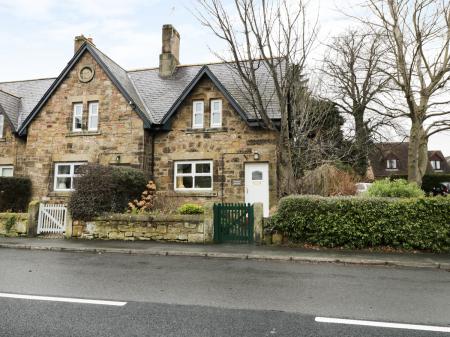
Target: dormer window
[(77, 123), (436, 165), (2, 124), (216, 113), (198, 114), (392, 164)]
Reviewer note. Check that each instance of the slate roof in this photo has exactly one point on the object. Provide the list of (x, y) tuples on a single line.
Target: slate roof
[(399, 151), (153, 97), (28, 93)]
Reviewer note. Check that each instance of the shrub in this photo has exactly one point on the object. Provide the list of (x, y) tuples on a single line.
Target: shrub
[(101, 189), (191, 209), (15, 194), (328, 180), (147, 201), (399, 188), (354, 222)]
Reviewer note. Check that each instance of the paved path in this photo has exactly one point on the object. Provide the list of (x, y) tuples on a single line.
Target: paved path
[(417, 260), (186, 296)]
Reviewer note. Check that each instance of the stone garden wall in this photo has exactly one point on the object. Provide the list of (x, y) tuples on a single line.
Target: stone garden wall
[(175, 228), (13, 224)]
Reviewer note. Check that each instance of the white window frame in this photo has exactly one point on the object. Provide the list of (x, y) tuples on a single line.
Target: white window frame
[(194, 113), (434, 165), (76, 113), (3, 167), (91, 114), (219, 112), (71, 175), (389, 166), (193, 174), (2, 125)]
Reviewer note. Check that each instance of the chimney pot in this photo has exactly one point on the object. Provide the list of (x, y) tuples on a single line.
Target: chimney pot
[(170, 56), (80, 40)]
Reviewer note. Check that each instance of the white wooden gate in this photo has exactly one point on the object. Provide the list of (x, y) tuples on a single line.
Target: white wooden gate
[(52, 218)]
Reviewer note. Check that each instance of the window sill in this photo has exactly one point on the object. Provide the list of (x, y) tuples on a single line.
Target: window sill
[(188, 193), (83, 133), (206, 130), (2, 139), (60, 193), (391, 170)]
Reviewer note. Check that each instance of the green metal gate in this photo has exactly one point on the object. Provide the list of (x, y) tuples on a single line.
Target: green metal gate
[(233, 223)]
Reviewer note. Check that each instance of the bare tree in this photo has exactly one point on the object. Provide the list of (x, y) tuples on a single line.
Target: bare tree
[(355, 84), (417, 60), (272, 34)]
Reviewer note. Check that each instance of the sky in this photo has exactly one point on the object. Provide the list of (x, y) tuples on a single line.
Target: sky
[(37, 35)]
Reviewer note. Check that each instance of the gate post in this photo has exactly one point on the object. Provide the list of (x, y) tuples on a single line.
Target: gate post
[(208, 223), (258, 222), (33, 215)]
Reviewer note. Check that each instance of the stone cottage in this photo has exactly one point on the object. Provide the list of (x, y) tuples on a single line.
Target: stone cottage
[(188, 127)]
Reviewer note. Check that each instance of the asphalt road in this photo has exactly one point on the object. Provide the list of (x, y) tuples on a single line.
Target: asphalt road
[(183, 296)]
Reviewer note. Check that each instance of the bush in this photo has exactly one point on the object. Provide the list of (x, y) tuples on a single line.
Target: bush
[(354, 222), (328, 180), (15, 194), (147, 201), (103, 189), (394, 189), (191, 209), (432, 180)]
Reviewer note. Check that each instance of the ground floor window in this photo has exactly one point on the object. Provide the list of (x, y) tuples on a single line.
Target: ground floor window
[(193, 175), (65, 174), (6, 171)]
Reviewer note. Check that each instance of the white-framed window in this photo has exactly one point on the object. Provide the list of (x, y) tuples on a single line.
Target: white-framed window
[(65, 174), (93, 116), (6, 171), (391, 164), (193, 175), (436, 165), (2, 125), (77, 123), (216, 113), (198, 113)]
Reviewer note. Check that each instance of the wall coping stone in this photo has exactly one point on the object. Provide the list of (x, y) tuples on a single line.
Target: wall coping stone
[(22, 216), (150, 217)]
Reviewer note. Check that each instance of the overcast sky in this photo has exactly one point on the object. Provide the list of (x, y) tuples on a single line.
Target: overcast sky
[(37, 35)]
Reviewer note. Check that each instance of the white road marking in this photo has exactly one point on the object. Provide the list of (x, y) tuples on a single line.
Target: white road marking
[(383, 324), (62, 299)]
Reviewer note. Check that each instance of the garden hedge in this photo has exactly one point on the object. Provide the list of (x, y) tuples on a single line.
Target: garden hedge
[(105, 189), (15, 194), (355, 222)]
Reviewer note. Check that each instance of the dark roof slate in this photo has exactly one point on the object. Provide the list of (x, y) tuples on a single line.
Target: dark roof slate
[(29, 92), (384, 151), (152, 96)]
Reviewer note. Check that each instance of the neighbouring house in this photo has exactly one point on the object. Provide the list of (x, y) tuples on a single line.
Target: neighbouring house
[(191, 128), (391, 159)]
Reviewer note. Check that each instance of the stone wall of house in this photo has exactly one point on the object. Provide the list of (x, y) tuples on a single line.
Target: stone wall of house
[(13, 224), (184, 143), (11, 149), (181, 228), (119, 139)]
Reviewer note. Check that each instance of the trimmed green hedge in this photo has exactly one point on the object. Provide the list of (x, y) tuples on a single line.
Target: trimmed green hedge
[(15, 194), (353, 222)]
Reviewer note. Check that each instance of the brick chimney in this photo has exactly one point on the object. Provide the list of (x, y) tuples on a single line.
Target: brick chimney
[(170, 56), (79, 40)]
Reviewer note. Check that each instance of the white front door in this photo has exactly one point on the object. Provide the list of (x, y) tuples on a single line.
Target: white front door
[(257, 185)]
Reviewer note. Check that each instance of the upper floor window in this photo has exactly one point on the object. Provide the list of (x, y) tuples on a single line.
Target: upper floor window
[(216, 113), (2, 124), (392, 164), (436, 165), (6, 171), (65, 174), (93, 116), (198, 110), (77, 123), (193, 175)]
